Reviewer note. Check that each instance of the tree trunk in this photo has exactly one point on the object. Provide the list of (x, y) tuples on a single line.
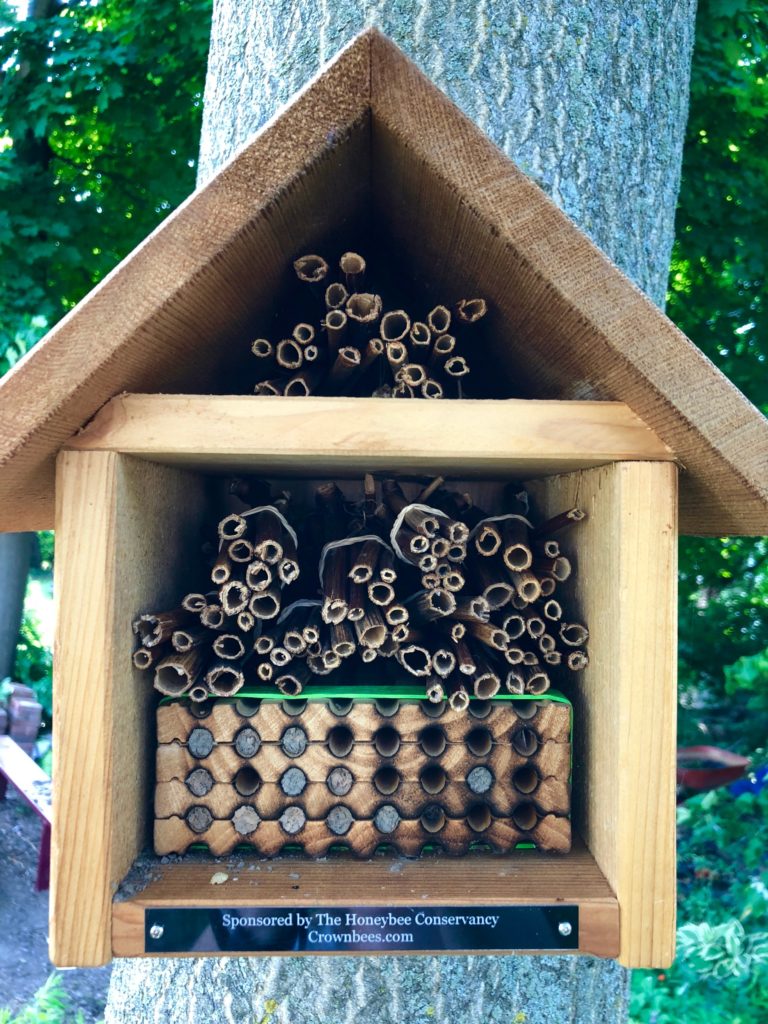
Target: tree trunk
[(591, 101), (15, 554)]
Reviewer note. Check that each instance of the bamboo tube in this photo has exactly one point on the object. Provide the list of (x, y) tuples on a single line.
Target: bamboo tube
[(336, 296), (305, 382), (269, 387), (294, 642), (156, 629), (456, 366), (427, 563), (443, 662), (212, 616), (486, 684), (554, 658), (559, 568), (146, 657), (546, 643), (371, 630), (335, 328), (304, 334), (369, 654), (347, 361), (357, 602), (234, 597), (558, 522), (194, 603), (470, 609), (517, 552), (240, 551), (439, 320), (232, 526), (442, 349), (420, 337), (553, 610), (434, 691), (469, 311), (280, 656), (372, 351), (288, 571), (536, 681), (573, 634), (292, 683), (544, 548), (352, 266), (515, 626), (222, 567), (526, 584), (464, 659), (396, 614), (453, 581), (264, 644), (399, 633), (387, 565), (311, 269), (364, 308), (440, 546), (577, 660), (265, 604), (289, 354), (267, 535), (380, 593), (434, 604), (514, 655), (393, 496), (224, 680), (363, 562), (431, 389), (496, 591), (395, 326), (397, 355), (489, 635), (488, 539), (534, 626), (422, 521), (548, 586), (265, 670), (415, 659), (229, 646), (342, 639), (412, 374), (263, 350), (258, 576), (515, 681), (458, 698), (335, 587)]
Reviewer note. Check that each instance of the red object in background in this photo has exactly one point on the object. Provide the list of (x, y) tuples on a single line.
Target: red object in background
[(25, 715), (716, 767)]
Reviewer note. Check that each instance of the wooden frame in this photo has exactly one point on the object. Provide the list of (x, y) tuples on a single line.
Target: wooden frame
[(124, 526)]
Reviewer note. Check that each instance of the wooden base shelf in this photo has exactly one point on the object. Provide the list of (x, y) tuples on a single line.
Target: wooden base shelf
[(525, 878)]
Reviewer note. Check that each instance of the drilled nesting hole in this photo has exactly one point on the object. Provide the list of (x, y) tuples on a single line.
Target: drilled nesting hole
[(433, 779), (525, 779), (246, 781), (386, 780), (340, 740), (525, 816), (433, 741), (480, 742), (479, 817), (387, 741)]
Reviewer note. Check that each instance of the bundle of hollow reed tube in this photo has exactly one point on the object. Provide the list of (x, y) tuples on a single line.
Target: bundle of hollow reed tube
[(354, 346), (385, 590)]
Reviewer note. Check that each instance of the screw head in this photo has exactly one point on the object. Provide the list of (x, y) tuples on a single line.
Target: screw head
[(156, 931), (564, 928)]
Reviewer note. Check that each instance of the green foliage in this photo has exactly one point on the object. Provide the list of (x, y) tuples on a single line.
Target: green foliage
[(721, 969), (34, 664), (50, 1005), (718, 280), (100, 108)]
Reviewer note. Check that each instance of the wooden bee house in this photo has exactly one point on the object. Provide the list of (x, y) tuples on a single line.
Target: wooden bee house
[(107, 432)]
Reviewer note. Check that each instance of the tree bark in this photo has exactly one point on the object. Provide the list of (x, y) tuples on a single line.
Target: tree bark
[(591, 101)]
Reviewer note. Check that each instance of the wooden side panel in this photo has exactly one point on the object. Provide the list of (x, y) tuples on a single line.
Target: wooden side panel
[(123, 529), (626, 703), (354, 435), (565, 323)]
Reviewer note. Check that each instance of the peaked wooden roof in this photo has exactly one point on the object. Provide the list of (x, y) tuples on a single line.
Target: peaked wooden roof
[(372, 150)]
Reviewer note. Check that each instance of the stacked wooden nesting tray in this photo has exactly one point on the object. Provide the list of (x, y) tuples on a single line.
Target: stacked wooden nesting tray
[(363, 774)]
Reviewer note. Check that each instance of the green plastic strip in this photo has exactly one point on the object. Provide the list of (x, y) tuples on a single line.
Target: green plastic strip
[(387, 691)]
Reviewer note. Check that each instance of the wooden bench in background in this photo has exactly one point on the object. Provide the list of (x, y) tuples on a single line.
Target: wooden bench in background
[(30, 780)]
